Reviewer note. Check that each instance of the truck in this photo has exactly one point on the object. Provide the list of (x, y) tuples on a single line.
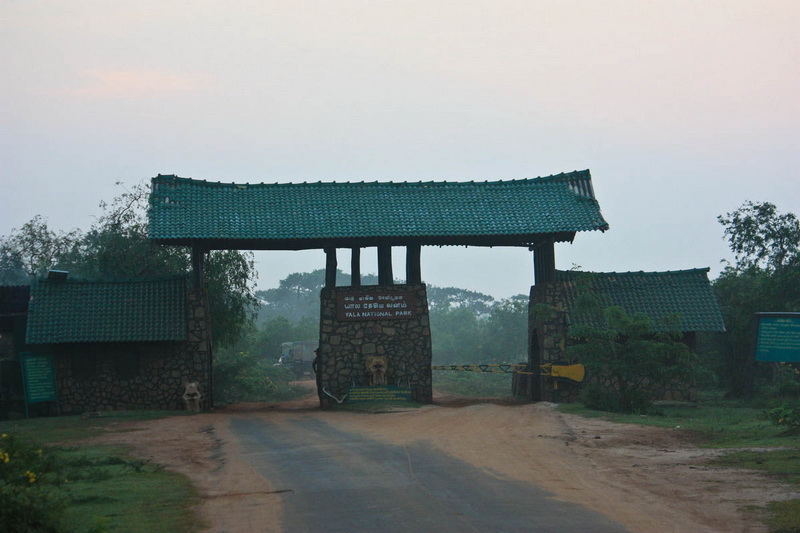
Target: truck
[(298, 356)]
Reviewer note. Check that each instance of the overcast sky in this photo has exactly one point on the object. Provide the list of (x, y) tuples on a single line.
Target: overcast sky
[(682, 110)]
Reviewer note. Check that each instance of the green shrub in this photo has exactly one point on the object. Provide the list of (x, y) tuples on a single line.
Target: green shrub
[(628, 361), (786, 416), (29, 499)]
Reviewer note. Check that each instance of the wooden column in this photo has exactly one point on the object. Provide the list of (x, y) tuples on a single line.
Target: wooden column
[(544, 261), (330, 268), (355, 267), (385, 276), (198, 265), (413, 264)]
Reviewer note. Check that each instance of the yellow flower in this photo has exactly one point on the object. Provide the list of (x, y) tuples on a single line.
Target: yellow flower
[(31, 476)]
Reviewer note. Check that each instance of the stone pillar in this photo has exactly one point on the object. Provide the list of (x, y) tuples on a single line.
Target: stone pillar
[(346, 341), (199, 358), (547, 334)]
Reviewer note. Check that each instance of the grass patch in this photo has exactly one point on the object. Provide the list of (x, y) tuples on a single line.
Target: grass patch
[(68, 428), (718, 424), (729, 424), (785, 517), (784, 465), (476, 384), (114, 493), (90, 488)]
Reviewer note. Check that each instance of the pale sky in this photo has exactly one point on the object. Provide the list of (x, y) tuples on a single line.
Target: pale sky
[(682, 110)]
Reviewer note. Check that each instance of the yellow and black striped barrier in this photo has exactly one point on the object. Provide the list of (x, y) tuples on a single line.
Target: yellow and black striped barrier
[(574, 373)]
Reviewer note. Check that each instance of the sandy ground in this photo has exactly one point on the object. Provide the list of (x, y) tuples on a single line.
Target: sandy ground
[(648, 479)]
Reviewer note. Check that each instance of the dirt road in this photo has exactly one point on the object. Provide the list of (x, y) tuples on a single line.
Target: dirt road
[(644, 479)]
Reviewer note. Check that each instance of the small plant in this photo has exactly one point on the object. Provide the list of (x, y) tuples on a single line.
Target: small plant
[(785, 416), (29, 499)]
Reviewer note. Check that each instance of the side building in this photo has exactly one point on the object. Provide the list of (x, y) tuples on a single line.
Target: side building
[(120, 345), (680, 301)]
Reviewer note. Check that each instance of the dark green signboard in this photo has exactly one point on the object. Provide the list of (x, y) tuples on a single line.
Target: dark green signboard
[(778, 337), (379, 393), (39, 378)]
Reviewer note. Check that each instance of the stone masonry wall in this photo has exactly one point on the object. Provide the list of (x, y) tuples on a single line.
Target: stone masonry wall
[(145, 375), (345, 344)]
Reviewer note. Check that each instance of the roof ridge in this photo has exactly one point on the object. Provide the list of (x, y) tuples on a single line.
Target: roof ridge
[(121, 281), (563, 176), (638, 272)]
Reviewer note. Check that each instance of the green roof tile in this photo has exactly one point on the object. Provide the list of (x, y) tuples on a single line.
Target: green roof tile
[(83, 311), (658, 295), (184, 210)]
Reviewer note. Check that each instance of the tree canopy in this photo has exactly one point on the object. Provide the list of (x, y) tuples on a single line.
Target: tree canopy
[(764, 277)]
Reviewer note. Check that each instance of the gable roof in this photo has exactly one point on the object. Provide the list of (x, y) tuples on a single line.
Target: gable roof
[(658, 295), (108, 311), (316, 215)]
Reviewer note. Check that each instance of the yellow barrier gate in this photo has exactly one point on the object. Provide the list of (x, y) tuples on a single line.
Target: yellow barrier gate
[(575, 373)]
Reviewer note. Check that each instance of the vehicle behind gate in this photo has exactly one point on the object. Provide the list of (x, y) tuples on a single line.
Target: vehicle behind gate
[(299, 357)]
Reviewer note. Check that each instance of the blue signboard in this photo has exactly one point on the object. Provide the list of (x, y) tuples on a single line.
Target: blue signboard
[(778, 337)]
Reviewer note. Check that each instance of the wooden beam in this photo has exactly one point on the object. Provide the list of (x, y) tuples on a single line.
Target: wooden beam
[(330, 268), (413, 264), (355, 267), (544, 261), (198, 265), (525, 241), (385, 276)]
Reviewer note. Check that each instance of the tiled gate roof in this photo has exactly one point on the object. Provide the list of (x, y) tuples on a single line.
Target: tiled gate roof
[(312, 215)]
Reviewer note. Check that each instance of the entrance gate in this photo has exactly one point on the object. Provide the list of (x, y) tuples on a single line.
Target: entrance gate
[(373, 335)]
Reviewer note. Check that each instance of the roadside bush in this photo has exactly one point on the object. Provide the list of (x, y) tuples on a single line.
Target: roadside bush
[(628, 361), (786, 416), (785, 381), (29, 499)]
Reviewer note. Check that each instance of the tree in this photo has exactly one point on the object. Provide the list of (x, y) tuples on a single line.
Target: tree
[(765, 277), (453, 297), (628, 360), (506, 331), (456, 336), (762, 238), (33, 249)]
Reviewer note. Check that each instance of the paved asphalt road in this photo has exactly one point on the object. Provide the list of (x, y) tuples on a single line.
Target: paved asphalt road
[(338, 481)]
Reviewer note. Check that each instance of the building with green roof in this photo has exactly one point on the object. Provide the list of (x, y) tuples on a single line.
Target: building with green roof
[(120, 344), (680, 302)]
